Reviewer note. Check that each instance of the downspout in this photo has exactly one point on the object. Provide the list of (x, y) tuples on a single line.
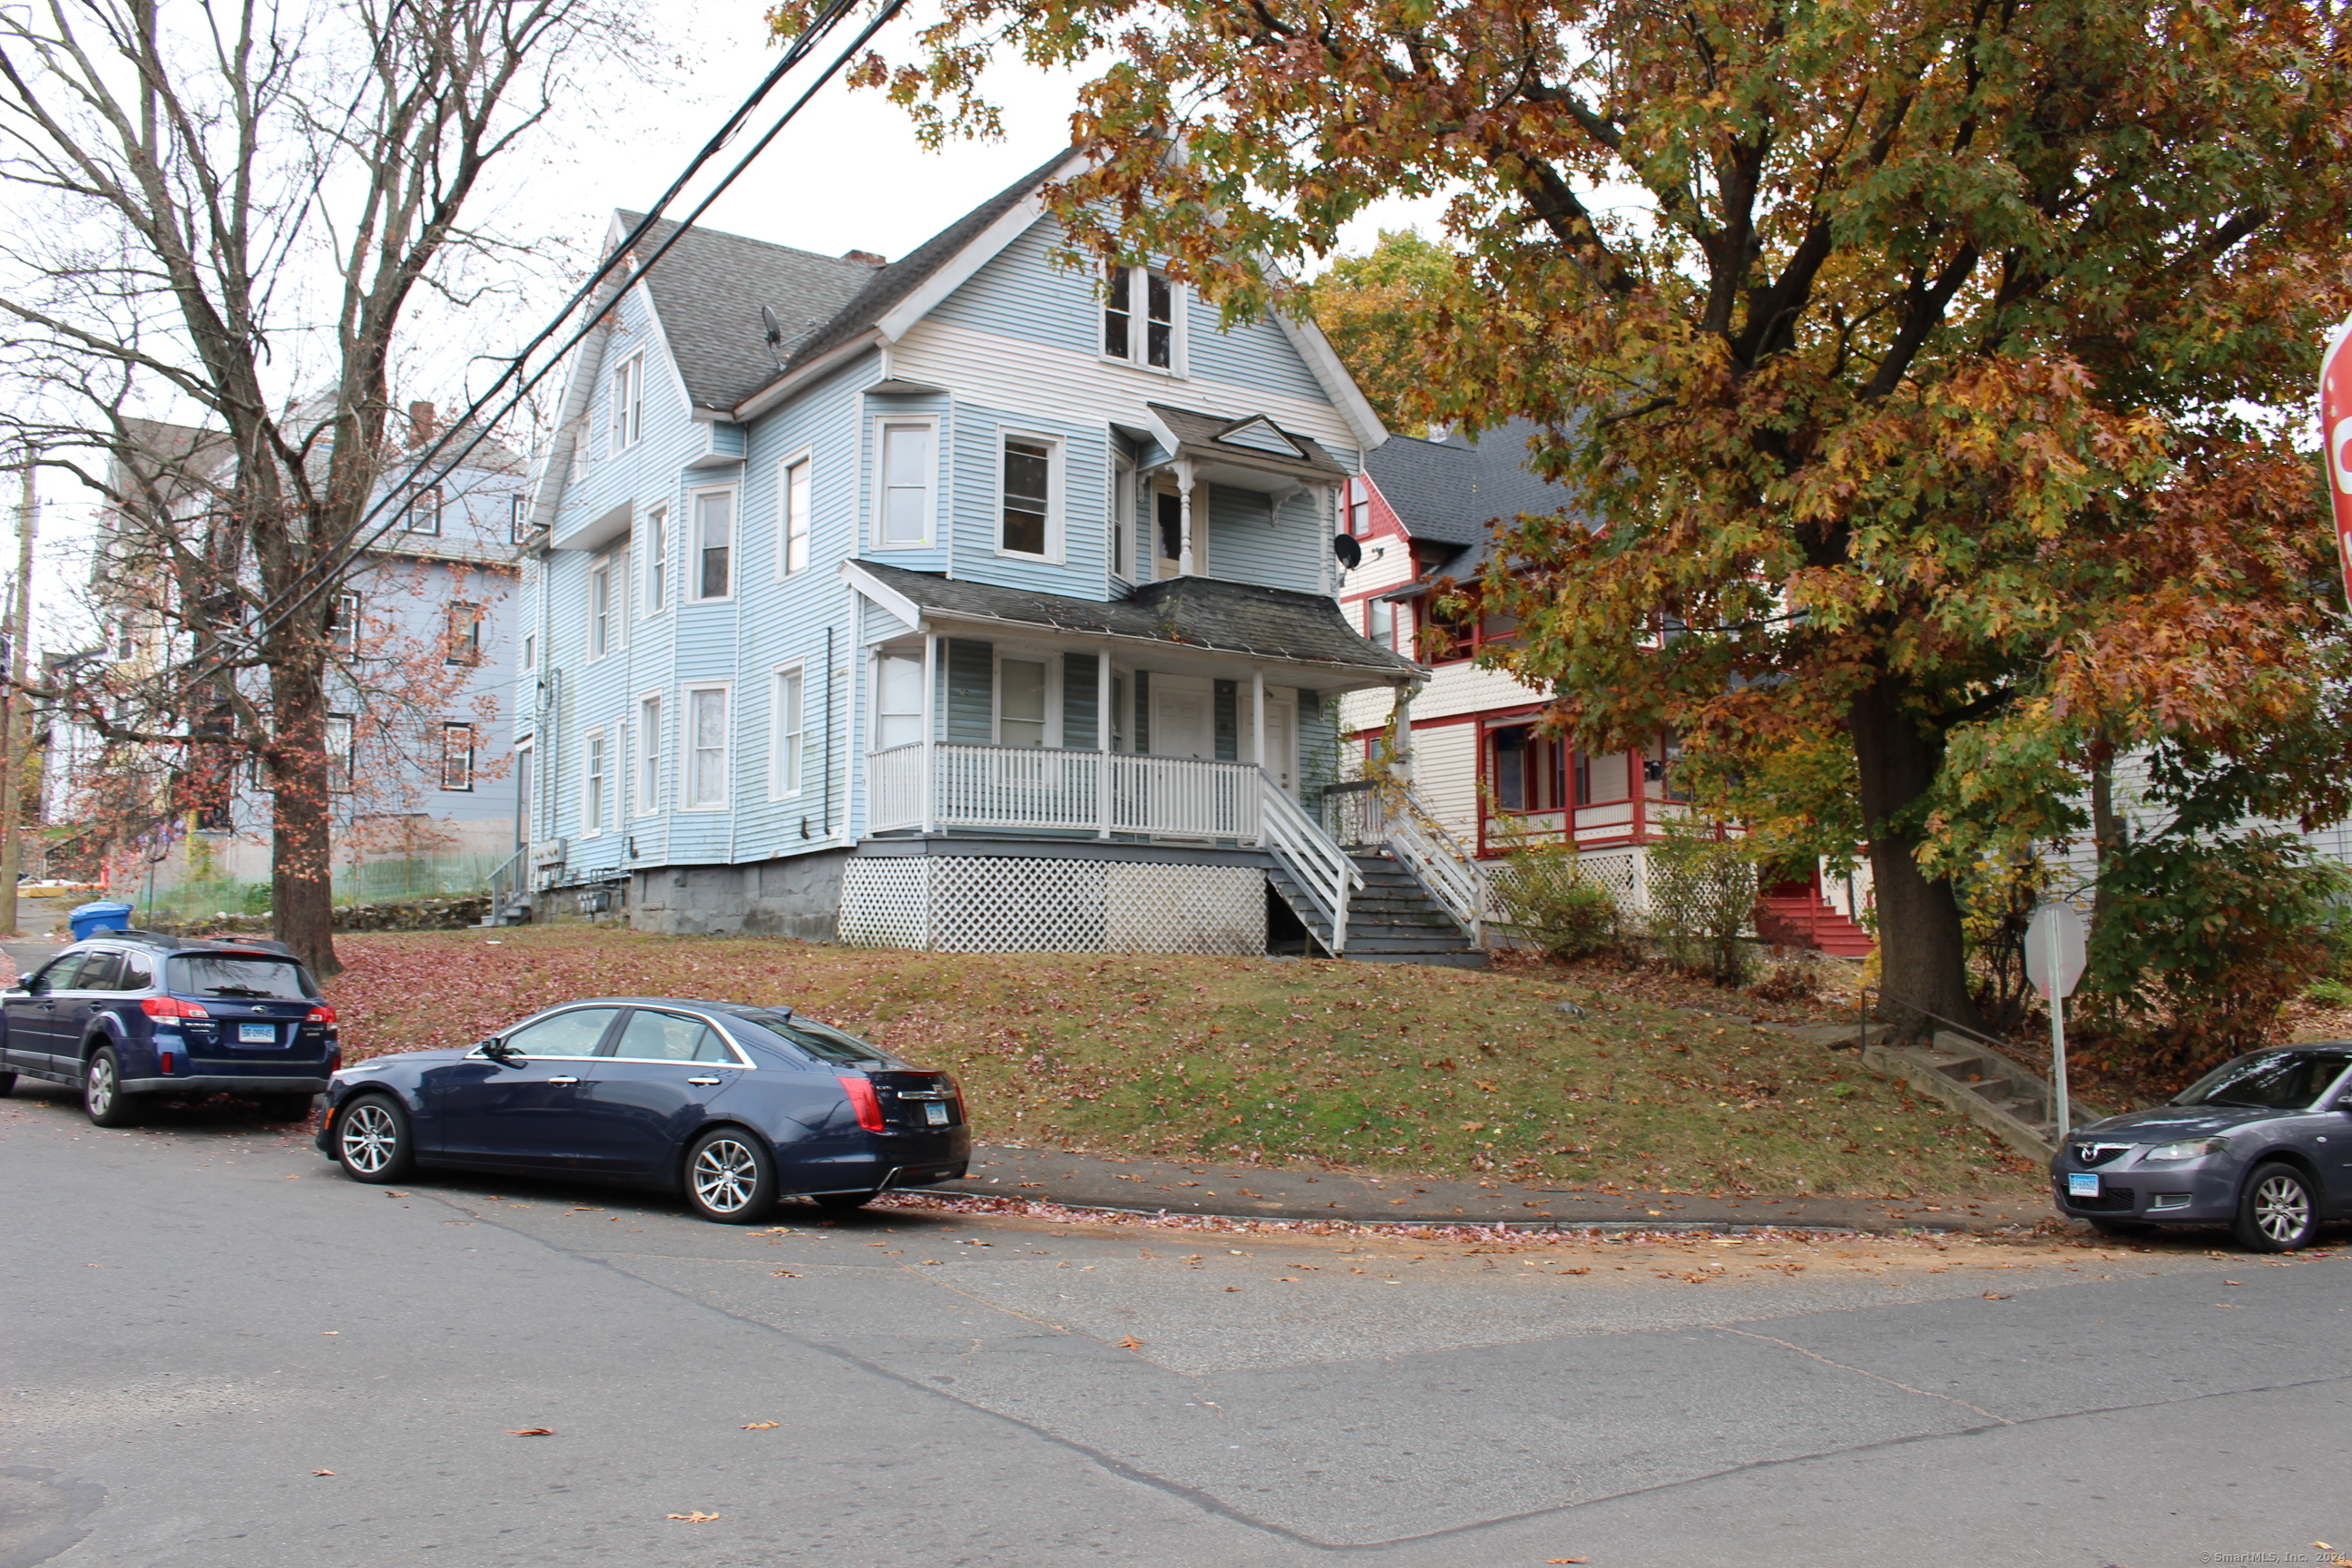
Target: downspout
[(828, 734)]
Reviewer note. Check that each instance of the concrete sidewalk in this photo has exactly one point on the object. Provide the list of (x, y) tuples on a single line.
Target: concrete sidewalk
[(1094, 1180)]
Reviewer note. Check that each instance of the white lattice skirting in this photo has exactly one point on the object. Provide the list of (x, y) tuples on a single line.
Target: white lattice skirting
[(994, 904)]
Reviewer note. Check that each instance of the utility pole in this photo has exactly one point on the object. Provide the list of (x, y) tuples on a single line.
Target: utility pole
[(16, 727)]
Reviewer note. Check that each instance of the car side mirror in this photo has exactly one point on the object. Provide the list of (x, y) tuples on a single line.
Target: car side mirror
[(499, 1051)]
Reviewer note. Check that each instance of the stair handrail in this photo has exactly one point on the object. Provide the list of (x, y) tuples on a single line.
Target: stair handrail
[(1437, 859), (491, 884), (1312, 856)]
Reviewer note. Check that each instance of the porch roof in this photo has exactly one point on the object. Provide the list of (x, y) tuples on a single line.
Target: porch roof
[(1206, 614)]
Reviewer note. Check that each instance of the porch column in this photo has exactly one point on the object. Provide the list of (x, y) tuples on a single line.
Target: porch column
[(1102, 718), (1327, 581), (1257, 737), (930, 755), (1401, 758), (1184, 514)]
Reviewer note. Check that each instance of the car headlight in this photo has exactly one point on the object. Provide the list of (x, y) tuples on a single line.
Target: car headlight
[(2181, 1152)]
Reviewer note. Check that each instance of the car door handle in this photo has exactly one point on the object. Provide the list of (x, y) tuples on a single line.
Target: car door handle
[(704, 1081), (563, 1080)]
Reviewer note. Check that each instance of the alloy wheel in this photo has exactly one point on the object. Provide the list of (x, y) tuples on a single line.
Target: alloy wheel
[(2281, 1208), (726, 1174), (98, 1092), (370, 1137)]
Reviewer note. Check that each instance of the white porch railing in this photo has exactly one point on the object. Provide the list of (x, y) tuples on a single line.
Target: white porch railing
[(1031, 789), (1382, 814)]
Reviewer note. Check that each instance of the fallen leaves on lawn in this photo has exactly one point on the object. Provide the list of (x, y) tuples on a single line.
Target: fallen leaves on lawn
[(695, 1518), (761, 1426), (531, 1431)]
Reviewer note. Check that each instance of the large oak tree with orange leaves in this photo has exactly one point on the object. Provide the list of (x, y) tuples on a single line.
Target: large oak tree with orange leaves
[(1914, 356)]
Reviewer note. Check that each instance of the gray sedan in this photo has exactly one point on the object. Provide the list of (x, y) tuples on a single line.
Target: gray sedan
[(2262, 1144)]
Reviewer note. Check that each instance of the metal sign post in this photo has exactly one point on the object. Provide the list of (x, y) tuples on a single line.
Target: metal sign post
[(2056, 946), (2335, 441)]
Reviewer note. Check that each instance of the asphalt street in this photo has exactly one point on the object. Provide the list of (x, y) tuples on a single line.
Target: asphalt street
[(223, 1353)]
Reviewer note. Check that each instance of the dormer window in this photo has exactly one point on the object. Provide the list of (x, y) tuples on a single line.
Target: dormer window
[(1139, 317)]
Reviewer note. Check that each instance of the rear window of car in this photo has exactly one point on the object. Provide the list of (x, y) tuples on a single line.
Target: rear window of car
[(2268, 1080), (257, 978), (823, 1041)]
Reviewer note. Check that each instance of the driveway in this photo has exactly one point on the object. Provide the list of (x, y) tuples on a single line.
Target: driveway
[(204, 1315)]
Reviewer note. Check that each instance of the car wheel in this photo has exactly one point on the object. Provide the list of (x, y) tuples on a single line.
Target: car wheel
[(373, 1142), (2120, 1227), (730, 1177), (843, 1200), (2278, 1212), (285, 1107), (101, 1091)]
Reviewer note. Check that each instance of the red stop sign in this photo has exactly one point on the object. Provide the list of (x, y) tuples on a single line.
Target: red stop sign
[(2335, 431)]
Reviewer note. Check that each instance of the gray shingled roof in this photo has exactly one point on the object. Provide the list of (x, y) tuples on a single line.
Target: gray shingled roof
[(1192, 612), (709, 287), (1194, 428), (1451, 491), (709, 290)]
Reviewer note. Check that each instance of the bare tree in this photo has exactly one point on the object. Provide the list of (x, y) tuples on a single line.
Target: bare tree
[(245, 207)]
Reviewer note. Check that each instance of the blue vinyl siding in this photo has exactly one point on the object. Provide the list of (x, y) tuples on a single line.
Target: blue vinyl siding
[(1084, 482), (1247, 545), (1021, 294)]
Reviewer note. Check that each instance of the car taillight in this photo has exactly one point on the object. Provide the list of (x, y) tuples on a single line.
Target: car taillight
[(862, 1097), (171, 1007), (956, 1089), (322, 1015)]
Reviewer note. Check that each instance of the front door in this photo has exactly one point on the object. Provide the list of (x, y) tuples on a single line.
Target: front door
[(646, 1098), (1183, 718), (1281, 760), (524, 1111)]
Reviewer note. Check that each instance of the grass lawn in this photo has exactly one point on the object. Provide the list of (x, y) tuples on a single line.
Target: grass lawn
[(1373, 1067)]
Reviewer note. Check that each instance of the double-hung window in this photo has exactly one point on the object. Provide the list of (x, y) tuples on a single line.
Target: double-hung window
[(456, 756), (649, 754), (1381, 621), (1140, 317), (706, 748), (792, 507), (424, 514), (342, 751), (1027, 527), (462, 639), (714, 544), (603, 607), (790, 731), (657, 560), (1020, 702), (904, 502), (899, 702), (596, 783), (1359, 508), (345, 632), (628, 412), (517, 518)]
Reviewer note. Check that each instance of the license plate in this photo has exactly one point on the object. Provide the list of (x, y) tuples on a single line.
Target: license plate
[(935, 1114), (256, 1033), (2082, 1183)]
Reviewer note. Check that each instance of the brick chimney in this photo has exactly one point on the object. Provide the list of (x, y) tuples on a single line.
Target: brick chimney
[(868, 257), (424, 423)]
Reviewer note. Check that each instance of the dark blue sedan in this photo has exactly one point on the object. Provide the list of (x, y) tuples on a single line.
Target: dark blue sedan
[(733, 1106)]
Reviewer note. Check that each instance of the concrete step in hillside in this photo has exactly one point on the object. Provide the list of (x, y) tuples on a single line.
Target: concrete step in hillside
[(1391, 919), (2004, 1097)]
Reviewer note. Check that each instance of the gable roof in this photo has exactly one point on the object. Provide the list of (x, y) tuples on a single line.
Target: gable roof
[(708, 291), (1205, 613), (1212, 432), (1451, 492)]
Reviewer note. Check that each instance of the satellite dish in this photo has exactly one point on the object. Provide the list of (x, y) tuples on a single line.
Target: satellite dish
[(1351, 554), (774, 335)]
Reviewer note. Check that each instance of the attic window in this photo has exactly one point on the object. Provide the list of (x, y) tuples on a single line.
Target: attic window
[(628, 414), (1139, 317)]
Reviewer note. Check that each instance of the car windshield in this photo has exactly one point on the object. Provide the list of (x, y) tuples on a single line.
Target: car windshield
[(823, 1041), (219, 974), (2267, 1080)]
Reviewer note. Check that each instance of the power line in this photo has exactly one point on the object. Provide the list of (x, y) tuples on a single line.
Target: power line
[(472, 419)]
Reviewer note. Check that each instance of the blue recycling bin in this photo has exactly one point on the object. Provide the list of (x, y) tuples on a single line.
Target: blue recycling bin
[(105, 915)]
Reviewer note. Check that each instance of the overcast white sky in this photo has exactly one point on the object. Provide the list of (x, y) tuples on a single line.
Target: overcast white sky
[(848, 174)]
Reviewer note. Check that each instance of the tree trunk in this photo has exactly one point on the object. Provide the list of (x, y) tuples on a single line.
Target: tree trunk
[(2106, 831), (302, 876), (1922, 955)]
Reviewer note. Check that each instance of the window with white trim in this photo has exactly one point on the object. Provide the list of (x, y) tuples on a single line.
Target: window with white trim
[(1359, 509), (628, 411), (517, 518), (342, 751), (657, 561), (1140, 317), (714, 544), (1379, 621), (793, 518), (705, 744), (458, 757), (903, 498), (787, 728), (897, 701), (596, 782), (345, 635), (649, 754), (1025, 496), (1021, 705), (604, 606), (461, 635), (424, 515)]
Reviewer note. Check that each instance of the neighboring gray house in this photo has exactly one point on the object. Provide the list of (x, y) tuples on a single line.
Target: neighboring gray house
[(966, 601)]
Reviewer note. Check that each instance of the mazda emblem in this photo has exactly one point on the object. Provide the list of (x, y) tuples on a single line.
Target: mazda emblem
[(2085, 1153), (261, 1009)]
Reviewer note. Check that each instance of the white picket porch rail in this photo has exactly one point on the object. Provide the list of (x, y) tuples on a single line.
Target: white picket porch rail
[(1031, 789)]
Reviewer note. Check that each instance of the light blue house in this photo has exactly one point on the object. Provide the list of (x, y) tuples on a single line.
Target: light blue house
[(963, 601)]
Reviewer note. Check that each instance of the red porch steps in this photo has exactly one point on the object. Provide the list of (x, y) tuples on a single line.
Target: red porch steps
[(1806, 920)]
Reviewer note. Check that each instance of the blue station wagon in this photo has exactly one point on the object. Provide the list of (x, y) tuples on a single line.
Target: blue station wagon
[(731, 1106), (133, 1015)]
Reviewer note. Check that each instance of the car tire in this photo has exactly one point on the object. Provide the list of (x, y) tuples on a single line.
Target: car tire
[(730, 1177), (101, 1091), (373, 1140), (2278, 1211), (843, 1200), (285, 1107)]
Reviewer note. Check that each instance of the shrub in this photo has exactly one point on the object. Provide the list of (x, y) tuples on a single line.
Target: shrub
[(1702, 898), (1544, 899), (2201, 942)]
